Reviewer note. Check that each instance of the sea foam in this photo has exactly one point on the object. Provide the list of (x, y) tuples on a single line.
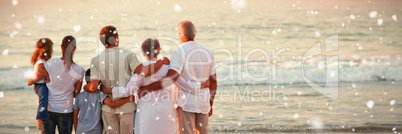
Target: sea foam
[(287, 70)]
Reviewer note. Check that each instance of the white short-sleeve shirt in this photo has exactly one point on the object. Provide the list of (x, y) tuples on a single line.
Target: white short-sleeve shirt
[(194, 63), (62, 84)]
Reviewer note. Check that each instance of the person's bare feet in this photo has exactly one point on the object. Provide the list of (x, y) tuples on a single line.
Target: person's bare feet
[(39, 125)]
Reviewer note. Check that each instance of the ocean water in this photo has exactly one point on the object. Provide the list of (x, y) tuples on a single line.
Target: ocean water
[(259, 45)]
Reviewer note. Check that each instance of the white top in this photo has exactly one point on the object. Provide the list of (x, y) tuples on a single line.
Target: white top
[(36, 70), (194, 63), (62, 84), (157, 107)]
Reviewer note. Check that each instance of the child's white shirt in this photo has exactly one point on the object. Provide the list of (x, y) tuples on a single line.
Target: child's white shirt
[(43, 80)]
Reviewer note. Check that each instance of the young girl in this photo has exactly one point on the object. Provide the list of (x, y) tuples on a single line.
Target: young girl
[(42, 53)]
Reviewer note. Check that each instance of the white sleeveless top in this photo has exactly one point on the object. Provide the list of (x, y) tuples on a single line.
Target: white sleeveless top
[(62, 84)]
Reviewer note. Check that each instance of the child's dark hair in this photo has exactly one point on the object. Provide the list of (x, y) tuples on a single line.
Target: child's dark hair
[(43, 50), (88, 75), (150, 47), (108, 35)]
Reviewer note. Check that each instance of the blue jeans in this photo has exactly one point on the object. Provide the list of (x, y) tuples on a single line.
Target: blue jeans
[(63, 121), (42, 91)]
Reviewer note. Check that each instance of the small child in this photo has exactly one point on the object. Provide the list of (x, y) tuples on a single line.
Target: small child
[(88, 105), (42, 53)]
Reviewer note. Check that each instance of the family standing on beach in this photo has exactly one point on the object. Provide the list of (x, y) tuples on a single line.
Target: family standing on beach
[(122, 95)]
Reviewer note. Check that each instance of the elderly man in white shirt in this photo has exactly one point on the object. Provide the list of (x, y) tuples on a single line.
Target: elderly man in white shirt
[(194, 63)]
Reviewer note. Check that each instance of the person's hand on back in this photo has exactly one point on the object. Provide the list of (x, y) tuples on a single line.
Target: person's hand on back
[(105, 90), (142, 92), (132, 98), (165, 60), (205, 85), (152, 68)]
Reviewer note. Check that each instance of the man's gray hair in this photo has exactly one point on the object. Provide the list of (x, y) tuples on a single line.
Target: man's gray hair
[(189, 29)]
